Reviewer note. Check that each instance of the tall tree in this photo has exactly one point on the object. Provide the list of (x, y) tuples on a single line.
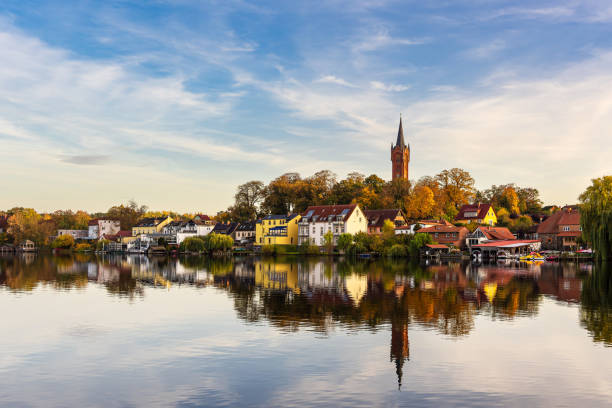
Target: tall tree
[(248, 198), (596, 216)]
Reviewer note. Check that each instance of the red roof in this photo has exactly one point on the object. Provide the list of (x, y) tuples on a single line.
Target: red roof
[(437, 246), (566, 216), (376, 218), (203, 217), (322, 212), (498, 233), (93, 222), (481, 211)]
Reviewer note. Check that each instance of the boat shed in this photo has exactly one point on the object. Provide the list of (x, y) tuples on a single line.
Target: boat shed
[(505, 248)]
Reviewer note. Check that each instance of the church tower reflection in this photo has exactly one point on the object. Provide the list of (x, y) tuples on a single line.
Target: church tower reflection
[(400, 347)]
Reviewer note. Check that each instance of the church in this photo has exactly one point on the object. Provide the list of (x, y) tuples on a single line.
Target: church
[(400, 156)]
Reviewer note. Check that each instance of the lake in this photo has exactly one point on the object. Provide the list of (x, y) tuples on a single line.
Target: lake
[(134, 331)]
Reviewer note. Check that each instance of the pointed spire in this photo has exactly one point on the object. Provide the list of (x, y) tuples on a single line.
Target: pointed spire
[(400, 135)]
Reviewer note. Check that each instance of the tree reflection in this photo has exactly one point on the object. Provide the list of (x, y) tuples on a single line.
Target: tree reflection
[(596, 303)]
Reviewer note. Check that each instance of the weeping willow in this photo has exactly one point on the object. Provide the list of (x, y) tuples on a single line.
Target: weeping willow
[(596, 216)]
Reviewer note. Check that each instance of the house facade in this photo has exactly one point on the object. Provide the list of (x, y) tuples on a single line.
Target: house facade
[(245, 232), (151, 225), (277, 230), (194, 228), (478, 213), (98, 227), (488, 234), (376, 219), (561, 230), (447, 235), (317, 220)]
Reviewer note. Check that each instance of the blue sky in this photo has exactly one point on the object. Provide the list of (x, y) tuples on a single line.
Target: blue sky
[(175, 103)]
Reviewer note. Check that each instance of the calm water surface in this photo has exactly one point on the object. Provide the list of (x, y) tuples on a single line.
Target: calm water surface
[(132, 331)]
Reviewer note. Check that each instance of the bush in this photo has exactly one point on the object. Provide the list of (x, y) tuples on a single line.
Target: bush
[(82, 247), (397, 251), (356, 248), (313, 250), (63, 242), (193, 244), (218, 242), (101, 244), (268, 250)]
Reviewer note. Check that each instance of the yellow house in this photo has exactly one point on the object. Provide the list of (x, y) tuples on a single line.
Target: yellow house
[(478, 213), (150, 226), (277, 230)]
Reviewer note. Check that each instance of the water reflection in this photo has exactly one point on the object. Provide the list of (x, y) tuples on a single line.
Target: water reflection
[(395, 299)]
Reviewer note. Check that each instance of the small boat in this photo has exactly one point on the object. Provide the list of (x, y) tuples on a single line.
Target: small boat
[(534, 256)]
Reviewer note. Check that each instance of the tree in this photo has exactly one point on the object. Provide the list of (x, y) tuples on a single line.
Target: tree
[(397, 193), (421, 204), (63, 242), (193, 244), (328, 240), (344, 242), (596, 216), (26, 223), (417, 242), (281, 194), (509, 200), (128, 215), (457, 186), (247, 199)]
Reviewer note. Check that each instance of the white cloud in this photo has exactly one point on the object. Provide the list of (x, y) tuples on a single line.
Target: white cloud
[(330, 79), (388, 87)]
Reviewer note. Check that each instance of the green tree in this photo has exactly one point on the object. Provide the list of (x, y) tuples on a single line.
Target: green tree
[(193, 244), (596, 216), (417, 242), (328, 239), (344, 242)]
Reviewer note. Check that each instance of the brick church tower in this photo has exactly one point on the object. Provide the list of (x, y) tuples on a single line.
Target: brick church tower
[(400, 155)]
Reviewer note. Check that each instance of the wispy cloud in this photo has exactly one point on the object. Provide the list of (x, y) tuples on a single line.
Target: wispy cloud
[(388, 87), (382, 39), (486, 50), (86, 160)]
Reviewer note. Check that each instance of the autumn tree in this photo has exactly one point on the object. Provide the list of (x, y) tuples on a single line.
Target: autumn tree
[(26, 223), (421, 203), (128, 215), (457, 187), (281, 194)]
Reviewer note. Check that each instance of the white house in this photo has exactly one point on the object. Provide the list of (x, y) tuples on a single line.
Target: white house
[(194, 228), (339, 219), (99, 227)]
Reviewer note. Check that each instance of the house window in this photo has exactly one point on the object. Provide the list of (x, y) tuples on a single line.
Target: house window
[(566, 228)]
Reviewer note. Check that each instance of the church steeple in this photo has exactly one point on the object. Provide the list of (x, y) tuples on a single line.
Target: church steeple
[(400, 155), (400, 135)]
